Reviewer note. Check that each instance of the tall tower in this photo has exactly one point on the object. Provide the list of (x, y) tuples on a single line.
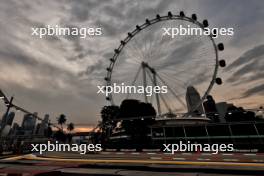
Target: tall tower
[(43, 125), (7, 123), (28, 124), (193, 99)]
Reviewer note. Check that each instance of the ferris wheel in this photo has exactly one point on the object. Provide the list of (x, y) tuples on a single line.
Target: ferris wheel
[(148, 57)]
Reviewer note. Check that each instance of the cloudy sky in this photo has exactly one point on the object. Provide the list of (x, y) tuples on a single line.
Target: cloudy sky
[(59, 74)]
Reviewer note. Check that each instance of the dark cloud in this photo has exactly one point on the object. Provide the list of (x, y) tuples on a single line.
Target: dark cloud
[(249, 66), (248, 56), (14, 55), (109, 29), (80, 10), (114, 12), (90, 69), (182, 54), (258, 90)]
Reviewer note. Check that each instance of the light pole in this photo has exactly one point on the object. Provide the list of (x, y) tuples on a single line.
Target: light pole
[(8, 104)]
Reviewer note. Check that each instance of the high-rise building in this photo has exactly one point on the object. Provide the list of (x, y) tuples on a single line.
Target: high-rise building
[(15, 129), (193, 99), (6, 123), (210, 108), (209, 105), (36, 131), (222, 108), (3, 121), (10, 118), (44, 125), (28, 124)]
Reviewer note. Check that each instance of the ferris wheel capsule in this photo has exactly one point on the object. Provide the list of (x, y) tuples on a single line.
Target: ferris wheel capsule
[(169, 14), (116, 51), (158, 16), (205, 23), (182, 14), (122, 42), (220, 46), (147, 21), (222, 63), (194, 17), (218, 81)]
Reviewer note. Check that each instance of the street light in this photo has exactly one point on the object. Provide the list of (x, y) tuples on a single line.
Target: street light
[(2, 95)]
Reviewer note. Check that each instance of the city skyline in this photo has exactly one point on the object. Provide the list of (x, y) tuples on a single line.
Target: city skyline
[(59, 75)]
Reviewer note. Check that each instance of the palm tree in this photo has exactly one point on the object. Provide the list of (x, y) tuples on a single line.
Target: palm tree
[(70, 127), (61, 120)]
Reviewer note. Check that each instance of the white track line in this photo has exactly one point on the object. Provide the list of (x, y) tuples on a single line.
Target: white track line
[(110, 150), (203, 159), (179, 159), (250, 154), (227, 154), (230, 159), (151, 150), (156, 158), (128, 150), (120, 153), (150, 153), (135, 153)]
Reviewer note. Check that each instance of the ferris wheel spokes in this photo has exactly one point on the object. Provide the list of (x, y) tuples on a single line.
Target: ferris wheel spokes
[(179, 62)]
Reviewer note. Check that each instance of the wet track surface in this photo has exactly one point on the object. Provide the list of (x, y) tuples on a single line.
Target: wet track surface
[(135, 163)]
